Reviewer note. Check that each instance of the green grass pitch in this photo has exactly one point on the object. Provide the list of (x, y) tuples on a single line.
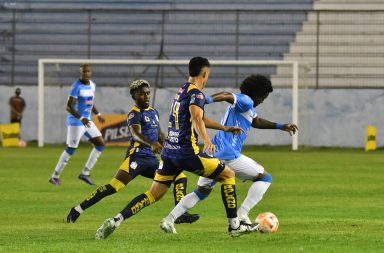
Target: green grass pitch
[(327, 200)]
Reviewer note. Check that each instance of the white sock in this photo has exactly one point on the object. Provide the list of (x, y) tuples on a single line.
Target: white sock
[(234, 222), (186, 203), (63, 160), (255, 194), (118, 219), (92, 159), (79, 209)]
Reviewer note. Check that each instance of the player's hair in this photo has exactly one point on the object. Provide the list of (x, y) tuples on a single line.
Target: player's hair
[(256, 85), (196, 64), (85, 65), (135, 85)]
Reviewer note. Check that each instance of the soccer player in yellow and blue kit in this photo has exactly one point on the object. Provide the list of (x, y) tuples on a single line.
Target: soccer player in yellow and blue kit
[(241, 112), (181, 152), (146, 139)]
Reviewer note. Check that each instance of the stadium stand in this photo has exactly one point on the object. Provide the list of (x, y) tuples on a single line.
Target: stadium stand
[(342, 43), (261, 30)]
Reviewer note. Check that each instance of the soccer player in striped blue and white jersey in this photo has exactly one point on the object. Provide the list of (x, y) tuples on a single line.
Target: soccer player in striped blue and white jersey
[(253, 91), (80, 106)]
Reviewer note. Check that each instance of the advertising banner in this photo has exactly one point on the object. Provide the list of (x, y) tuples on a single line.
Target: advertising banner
[(114, 130), (10, 134)]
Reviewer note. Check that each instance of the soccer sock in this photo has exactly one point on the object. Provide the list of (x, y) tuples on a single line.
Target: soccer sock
[(97, 195), (255, 194), (180, 188), (138, 203), (92, 159), (118, 219), (186, 203), (63, 160), (228, 194)]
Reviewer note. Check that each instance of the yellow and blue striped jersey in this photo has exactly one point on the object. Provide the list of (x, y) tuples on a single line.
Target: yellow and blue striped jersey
[(181, 141)]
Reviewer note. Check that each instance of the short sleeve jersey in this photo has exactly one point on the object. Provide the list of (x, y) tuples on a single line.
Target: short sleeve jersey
[(241, 114), (182, 137), (85, 95), (148, 119), (18, 103)]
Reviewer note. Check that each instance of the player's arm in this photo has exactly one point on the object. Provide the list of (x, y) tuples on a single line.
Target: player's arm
[(261, 123), (71, 109), (138, 136), (13, 108), (23, 106), (209, 123), (198, 123), (98, 114), (161, 136), (219, 97)]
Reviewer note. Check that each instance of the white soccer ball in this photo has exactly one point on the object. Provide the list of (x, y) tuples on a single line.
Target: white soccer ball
[(268, 222)]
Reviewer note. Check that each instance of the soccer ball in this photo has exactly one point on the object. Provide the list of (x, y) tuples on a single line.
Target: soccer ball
[(268, 222), (22, 143)]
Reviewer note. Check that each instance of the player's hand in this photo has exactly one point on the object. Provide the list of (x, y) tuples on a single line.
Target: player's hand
[(233, 129), (290, 128), (85, 122), (156, 147), (101, 119), (209, 148)]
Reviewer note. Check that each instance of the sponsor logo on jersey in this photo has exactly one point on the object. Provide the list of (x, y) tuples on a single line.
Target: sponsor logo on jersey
[(89, 101), (133, 165), (193, 98), (200, 96), (86, 93)]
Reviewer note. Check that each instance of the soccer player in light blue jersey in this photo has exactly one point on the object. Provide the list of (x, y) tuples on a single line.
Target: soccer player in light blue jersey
[(253, 91), (80, 106)]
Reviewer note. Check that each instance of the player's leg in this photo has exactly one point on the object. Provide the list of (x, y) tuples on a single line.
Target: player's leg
[(121, 179), (247, 169), (141, 201), (180, 187), (164, 177), (228, 193), (96, 139), (74, 134), (212, 168), (179, 192), (132, 166), (203, 189)]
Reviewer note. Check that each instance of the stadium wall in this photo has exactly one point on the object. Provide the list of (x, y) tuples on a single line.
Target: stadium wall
[(327, 117)]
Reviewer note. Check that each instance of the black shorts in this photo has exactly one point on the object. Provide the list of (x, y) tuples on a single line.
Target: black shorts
[(15, 120), (200, 164), (145, 166)]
